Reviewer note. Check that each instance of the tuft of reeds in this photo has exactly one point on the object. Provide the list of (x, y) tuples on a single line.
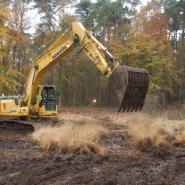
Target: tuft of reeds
[(147, 131), (69, 138), (180, 138)]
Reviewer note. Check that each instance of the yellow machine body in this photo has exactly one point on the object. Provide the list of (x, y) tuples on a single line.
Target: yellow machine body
[(131, 84)]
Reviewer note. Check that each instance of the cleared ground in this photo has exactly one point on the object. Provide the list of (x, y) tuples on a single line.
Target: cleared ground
[(122, 160)]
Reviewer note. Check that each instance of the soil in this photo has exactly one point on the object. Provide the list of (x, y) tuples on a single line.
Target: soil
[(23, 162)]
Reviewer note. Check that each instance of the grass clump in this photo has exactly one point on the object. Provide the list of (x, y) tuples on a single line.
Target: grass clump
[(71, 118), (146, 131), (69, 138), (180, 139)]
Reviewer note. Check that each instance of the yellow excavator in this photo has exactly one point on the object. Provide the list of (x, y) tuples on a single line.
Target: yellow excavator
[(41, 100)]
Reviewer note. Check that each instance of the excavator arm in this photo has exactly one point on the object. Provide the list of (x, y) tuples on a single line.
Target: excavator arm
[(131, 83)]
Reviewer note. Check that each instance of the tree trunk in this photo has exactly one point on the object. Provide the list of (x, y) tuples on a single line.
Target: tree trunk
[(166, 97), (99, 95), (181, 60)]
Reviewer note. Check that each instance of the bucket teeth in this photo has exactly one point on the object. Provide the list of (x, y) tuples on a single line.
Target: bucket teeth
[(131, 85)]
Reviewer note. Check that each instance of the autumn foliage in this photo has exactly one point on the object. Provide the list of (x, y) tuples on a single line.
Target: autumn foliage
[(150, 38)]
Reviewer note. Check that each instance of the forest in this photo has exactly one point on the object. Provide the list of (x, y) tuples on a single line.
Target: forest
[(150, 37)]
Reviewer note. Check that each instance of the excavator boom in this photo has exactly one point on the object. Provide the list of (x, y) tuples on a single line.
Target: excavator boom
[(131, 83)]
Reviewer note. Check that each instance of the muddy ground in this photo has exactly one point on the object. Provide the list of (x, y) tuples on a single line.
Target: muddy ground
[(23, 162)]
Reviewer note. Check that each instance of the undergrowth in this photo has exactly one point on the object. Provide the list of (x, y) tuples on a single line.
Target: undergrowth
[(82, 133)]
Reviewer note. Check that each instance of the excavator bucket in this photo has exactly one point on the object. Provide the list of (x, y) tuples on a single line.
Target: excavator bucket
[(131, 86)]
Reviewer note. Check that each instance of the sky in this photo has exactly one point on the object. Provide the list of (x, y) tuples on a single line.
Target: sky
[(144, 2), (33, 16)]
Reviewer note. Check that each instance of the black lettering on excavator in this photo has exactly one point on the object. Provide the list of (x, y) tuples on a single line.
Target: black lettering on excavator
[(60, 51)]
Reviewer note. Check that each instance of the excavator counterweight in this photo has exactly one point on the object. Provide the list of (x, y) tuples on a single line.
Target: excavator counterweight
[(131, 86)]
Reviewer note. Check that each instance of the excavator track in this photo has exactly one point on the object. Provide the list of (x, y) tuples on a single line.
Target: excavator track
[(131, 85), (14, 123), (25, 125)]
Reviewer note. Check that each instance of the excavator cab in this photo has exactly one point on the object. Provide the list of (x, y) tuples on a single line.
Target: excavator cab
[(45, 101), (49, 97)]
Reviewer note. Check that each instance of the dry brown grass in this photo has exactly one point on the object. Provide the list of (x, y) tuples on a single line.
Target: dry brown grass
[(180, 138), (71, 138), (147, 131), (81, 134), (71, 118)]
